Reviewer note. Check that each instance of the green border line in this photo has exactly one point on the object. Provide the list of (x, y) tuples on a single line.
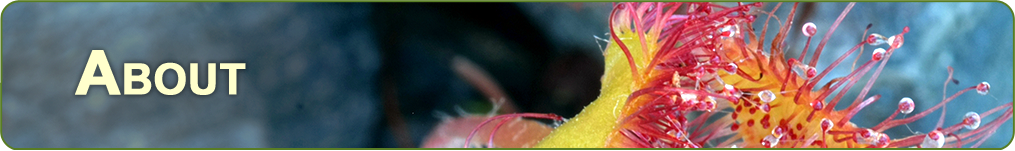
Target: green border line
[(474, 1)]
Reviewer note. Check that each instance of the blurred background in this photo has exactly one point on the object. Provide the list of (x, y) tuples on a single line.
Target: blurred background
[(356, 75)]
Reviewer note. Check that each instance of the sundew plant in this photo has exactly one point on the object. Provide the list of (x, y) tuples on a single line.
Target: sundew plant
[(730, 75)]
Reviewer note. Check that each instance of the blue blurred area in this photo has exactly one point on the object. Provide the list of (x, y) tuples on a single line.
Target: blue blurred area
[(378, 74), (315, 71), (307, 83)]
